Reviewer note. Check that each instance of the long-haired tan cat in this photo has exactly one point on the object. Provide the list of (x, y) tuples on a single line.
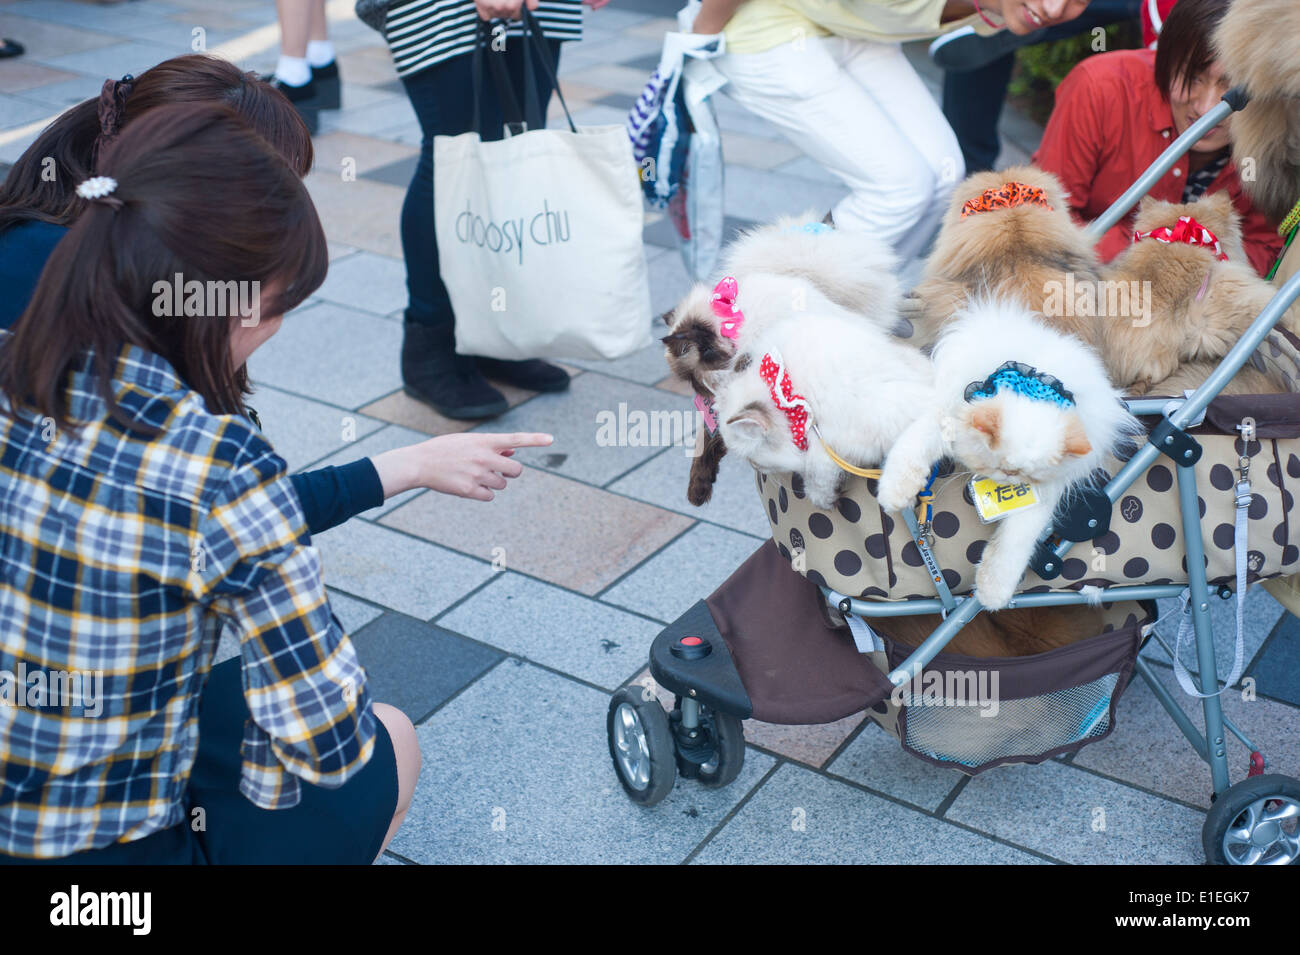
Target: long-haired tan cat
[(1197, 305), (1024, 252)]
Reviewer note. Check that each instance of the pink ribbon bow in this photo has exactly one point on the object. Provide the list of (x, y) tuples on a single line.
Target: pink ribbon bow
[(782, 389), (1186, 230), (724, 307)]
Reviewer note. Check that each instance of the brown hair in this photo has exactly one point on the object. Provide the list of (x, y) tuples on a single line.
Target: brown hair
[(1185, 49), (76, 139), (200, 195)]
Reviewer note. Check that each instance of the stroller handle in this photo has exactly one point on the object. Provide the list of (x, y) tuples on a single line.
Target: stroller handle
[(1233, 100)]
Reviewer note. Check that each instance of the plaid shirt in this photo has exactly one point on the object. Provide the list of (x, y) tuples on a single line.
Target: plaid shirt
[(124, 555)]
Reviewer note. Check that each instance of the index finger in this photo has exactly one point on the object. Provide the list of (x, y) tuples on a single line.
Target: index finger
[(524, 440)]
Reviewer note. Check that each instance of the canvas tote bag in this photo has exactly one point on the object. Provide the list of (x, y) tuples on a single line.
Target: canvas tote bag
[(539, 234)]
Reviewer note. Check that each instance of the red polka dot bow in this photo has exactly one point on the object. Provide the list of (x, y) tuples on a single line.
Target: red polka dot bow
[(1006, 196), (1186, 230), (781, 387), (724, 307)]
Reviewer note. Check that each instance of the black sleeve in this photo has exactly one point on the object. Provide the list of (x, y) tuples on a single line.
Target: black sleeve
[(329, 496)]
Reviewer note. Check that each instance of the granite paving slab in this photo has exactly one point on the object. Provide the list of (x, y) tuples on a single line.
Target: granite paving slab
[(1078, 817), (687, 570), (366, 282), (735, 503), (396, 571), (1148, 750), (801, 817), (333, 354), (876, 760), (517, 770), (546, 526), (556, 628), (416, 666), (1277, 668)]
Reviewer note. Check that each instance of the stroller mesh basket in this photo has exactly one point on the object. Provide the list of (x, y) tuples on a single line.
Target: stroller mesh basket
[(972, 713)]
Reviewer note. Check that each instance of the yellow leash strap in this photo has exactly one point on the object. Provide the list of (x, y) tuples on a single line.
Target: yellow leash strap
[(860, 472), (923, 499)]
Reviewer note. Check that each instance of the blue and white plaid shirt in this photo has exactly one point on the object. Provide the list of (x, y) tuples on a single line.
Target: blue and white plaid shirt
[(121, 556)]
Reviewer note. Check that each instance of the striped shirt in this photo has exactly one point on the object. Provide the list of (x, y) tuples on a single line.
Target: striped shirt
[(421, 33), (121, 557)]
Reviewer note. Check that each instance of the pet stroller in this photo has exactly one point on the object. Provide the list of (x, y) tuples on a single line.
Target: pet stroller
[(1204, 506)]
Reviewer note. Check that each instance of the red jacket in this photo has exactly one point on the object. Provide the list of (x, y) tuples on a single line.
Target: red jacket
[(1109, 124)]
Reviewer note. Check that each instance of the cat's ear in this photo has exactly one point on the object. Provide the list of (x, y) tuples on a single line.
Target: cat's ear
[(751, 422), (1076, 439), (986, 418)]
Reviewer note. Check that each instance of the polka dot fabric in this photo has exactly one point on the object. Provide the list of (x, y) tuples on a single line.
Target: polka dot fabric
[(858, 549)]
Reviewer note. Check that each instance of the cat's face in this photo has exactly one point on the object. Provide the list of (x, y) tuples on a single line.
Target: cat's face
[(1213, 210), (1012, 438), (693, 347)]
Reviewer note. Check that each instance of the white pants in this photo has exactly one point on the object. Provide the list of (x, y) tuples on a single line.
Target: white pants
[(859, 109)]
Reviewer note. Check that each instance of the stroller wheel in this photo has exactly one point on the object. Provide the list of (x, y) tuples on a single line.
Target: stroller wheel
[(641, 746), (729, 755), (1256, 822), (725, 735)]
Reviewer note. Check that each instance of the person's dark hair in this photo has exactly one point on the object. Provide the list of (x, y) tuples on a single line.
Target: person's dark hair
[(1185, 49), (41, 185), (200, 195)]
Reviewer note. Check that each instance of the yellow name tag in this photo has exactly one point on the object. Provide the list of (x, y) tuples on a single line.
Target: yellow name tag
[(994, 501)]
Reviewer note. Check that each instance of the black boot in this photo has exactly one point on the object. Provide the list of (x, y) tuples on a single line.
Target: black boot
[(533, 374), (451, 383), (326, 79), (305, 100)]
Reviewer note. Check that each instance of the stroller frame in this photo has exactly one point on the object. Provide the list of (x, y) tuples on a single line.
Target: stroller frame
[(706, 732)]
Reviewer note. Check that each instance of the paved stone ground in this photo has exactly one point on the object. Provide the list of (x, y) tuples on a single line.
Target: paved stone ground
[(507, 672)]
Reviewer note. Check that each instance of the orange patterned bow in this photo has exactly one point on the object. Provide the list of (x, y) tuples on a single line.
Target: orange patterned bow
[(1007, 196)]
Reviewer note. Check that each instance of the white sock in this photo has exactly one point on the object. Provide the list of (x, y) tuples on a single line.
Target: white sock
[(292, 70), (320, 53)]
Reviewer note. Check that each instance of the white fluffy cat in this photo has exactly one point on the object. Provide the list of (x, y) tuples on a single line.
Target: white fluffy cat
[(855, 270), (855, 383), (1008, 435), (786, 269)]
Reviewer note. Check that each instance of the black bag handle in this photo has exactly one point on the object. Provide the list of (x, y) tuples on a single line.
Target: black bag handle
[(501, 79), (531, 115)]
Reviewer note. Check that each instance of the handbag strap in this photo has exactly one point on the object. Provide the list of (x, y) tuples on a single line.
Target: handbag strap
[(533, 32), (513, 114)]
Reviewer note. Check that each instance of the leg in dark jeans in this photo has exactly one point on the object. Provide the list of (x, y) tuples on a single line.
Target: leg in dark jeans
[(454, 384)]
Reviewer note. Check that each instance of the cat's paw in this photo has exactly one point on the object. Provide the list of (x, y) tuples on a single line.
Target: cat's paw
[(821, 497), (994, 587), (897, 492)]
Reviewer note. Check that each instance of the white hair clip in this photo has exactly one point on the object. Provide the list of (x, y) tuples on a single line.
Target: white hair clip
[(96, 187)]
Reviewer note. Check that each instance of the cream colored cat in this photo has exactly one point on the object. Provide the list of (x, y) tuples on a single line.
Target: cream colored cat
[(1049, 420)]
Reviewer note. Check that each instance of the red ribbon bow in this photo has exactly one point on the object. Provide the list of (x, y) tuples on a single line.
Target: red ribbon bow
[(1186, 230), (781, 388)]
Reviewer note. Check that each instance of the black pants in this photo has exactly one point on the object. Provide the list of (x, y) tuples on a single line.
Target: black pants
[(444, 102), (972, 99)]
